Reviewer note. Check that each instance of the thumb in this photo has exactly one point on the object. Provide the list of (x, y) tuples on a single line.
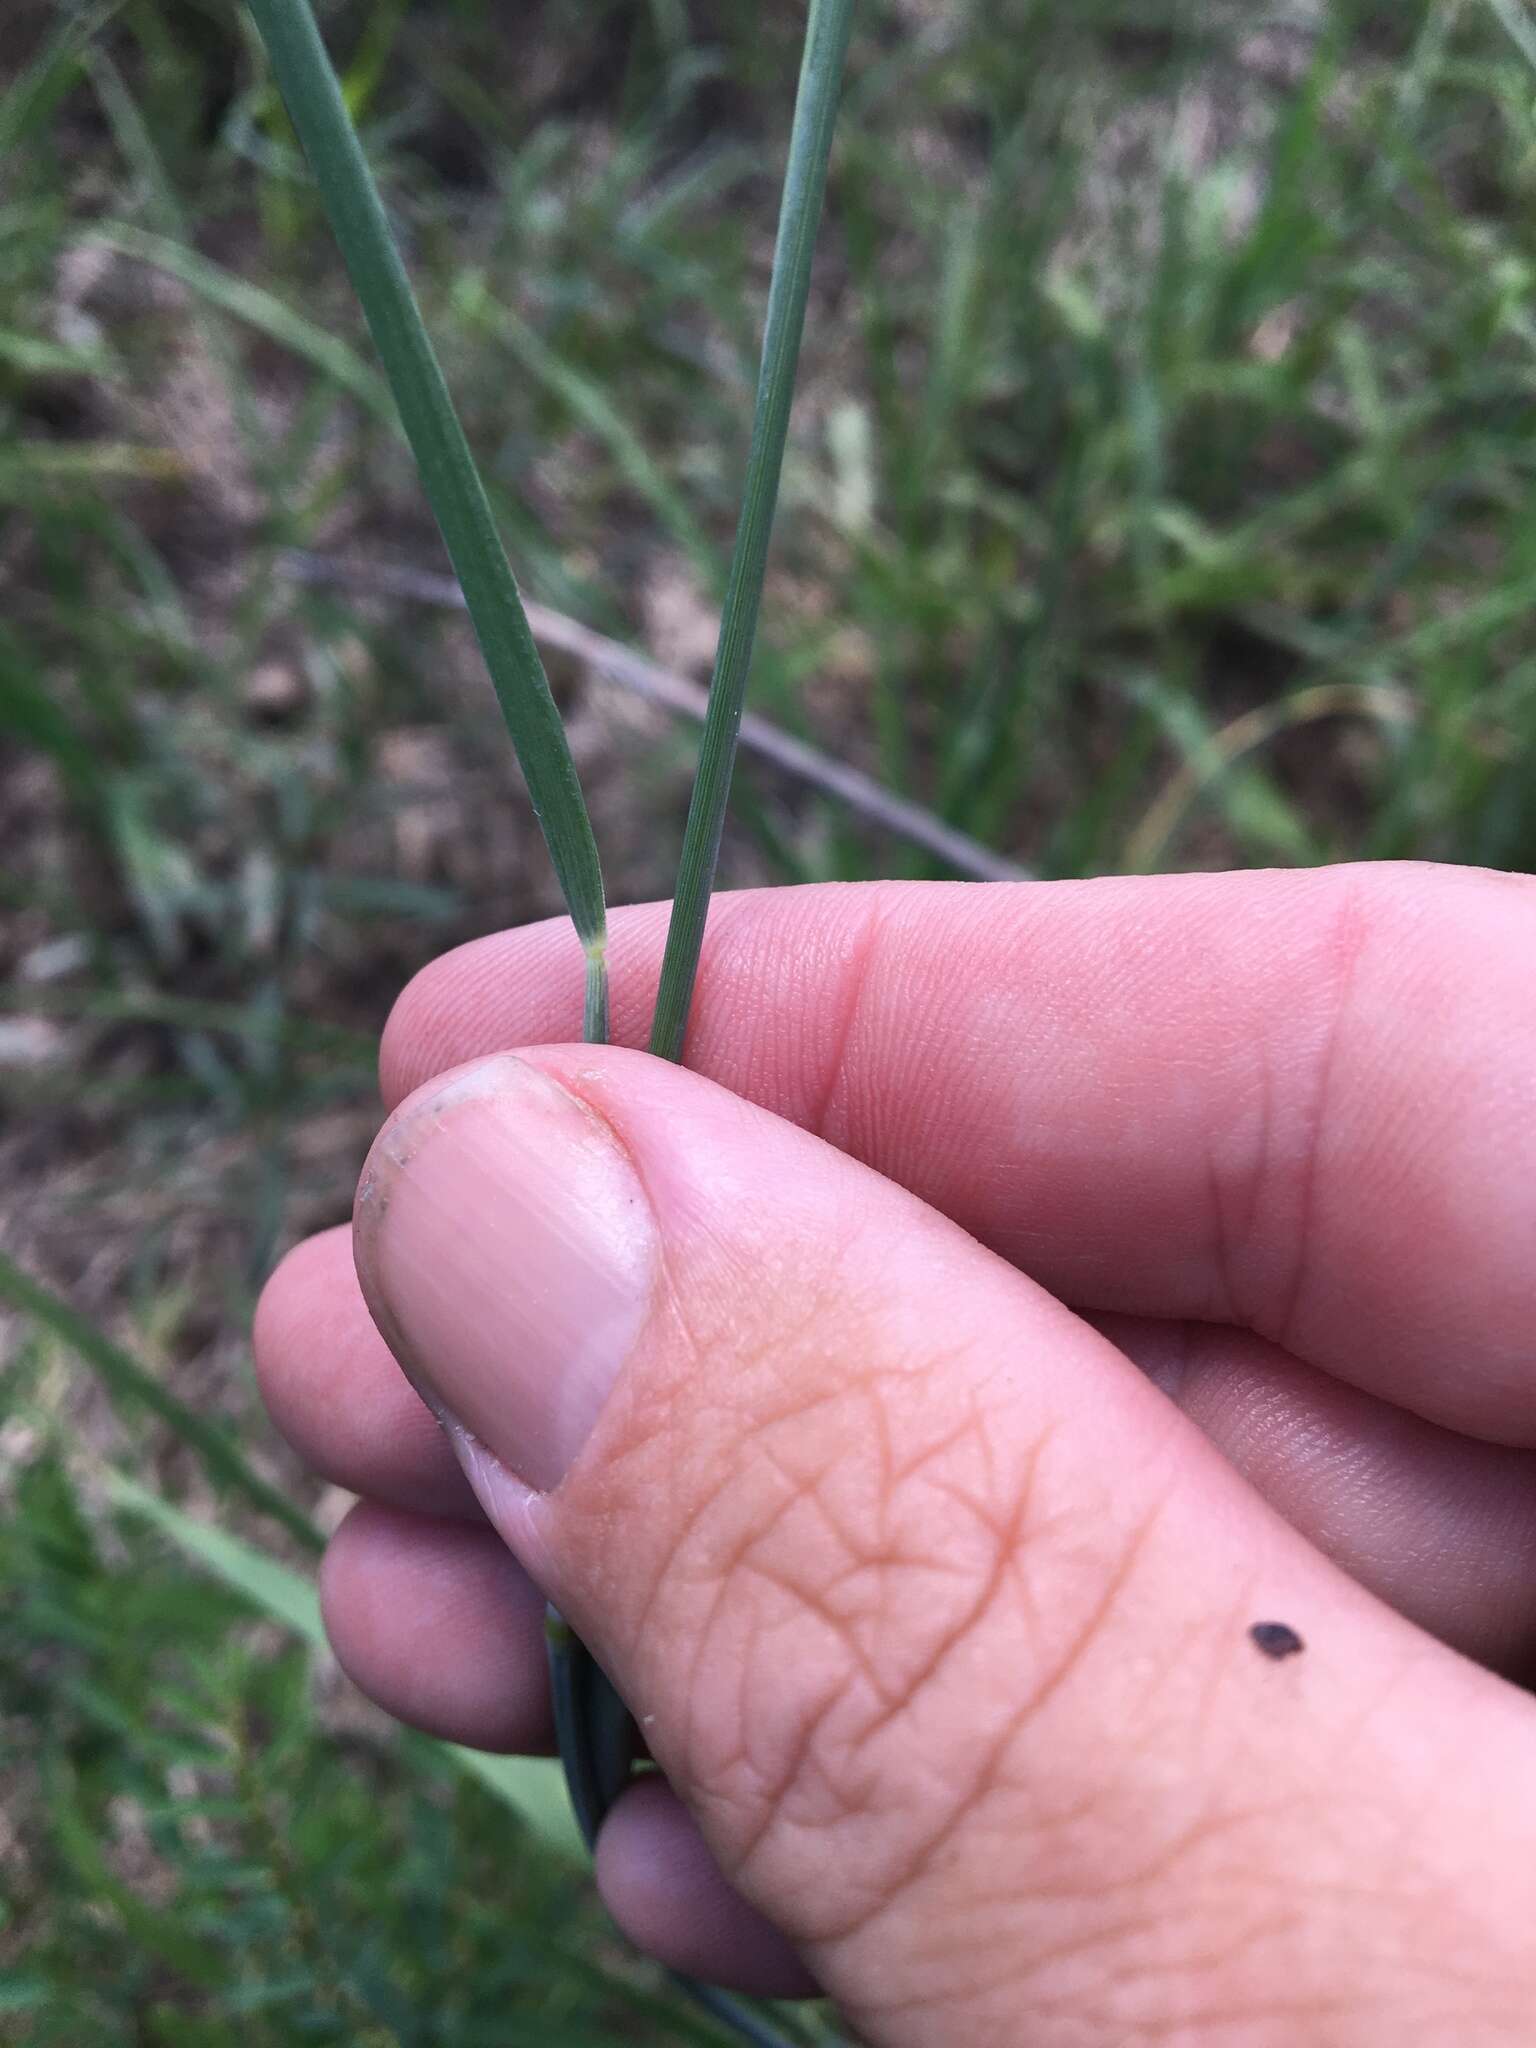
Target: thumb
[(938, 1617)]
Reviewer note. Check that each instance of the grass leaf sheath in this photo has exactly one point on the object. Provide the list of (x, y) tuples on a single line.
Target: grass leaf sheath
[(448, 474), (805, 184)]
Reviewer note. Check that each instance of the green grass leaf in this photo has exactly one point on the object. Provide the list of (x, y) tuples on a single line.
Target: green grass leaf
[(250, 1021), (534, 1788), (1517, 25), (805, 182), (28, 101), (589, 404), (590, 1720), (127, 1380), (449, 477), (530, 1786), (34, 356), (273, 1587), (30, 467), (255, 307)]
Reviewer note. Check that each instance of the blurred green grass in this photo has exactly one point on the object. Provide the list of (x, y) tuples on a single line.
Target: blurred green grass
[(1159, 495)]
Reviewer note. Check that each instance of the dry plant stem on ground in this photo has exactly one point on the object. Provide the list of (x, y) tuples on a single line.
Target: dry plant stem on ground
[(617, 663)]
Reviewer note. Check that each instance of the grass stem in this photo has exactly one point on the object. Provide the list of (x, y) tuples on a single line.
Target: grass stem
[(452, 483), (805, 184)]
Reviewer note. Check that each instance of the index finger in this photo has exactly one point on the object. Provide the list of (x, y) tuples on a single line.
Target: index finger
[(1302, 1103)]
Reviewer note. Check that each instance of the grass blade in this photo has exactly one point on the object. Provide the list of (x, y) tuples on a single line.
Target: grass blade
[(246, 1021), (448, 474), (1517, 25), (590, 1720), (254, 307), (593, 1738), (29, 99), (593, 1729), (592, 1723), (281, 1593), (126, 1379), (805, 182), (850, 787), (590, 405), (530, 1786)]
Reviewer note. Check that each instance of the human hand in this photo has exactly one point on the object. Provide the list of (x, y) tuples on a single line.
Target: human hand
[(935, 1610)]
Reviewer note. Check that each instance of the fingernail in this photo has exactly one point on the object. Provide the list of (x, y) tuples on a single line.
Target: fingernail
[(508, 1248)]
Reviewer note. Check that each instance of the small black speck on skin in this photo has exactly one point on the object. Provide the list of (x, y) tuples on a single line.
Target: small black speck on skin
[(1276, 1639)]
